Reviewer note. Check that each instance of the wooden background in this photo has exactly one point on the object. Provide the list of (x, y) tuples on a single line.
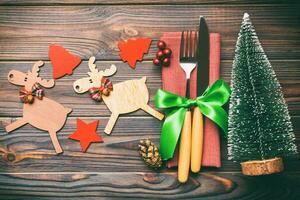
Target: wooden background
[(28, 167)]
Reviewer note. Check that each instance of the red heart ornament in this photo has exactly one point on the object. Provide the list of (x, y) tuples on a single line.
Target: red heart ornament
[(133, 50), (63, 62)]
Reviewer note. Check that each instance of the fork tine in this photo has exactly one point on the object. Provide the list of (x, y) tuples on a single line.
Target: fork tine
[(191, 52), (181, 45), (192, 44), (185, 44), (195, 43), (188, 44)]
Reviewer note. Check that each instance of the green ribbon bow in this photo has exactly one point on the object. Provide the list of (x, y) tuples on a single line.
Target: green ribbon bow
[(175, 107)]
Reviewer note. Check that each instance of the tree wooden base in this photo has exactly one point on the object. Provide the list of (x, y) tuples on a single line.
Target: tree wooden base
[(262, 167)]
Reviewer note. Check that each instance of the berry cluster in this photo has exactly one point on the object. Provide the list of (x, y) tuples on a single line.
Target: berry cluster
[(163, 54)]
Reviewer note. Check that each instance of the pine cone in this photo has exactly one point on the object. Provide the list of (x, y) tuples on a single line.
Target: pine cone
[(150, 153)]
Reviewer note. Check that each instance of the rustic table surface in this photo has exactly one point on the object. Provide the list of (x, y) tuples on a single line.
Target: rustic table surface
[(29, 169)]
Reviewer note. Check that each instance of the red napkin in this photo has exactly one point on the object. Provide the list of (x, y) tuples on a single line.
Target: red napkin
[(211, 146), (173, 80)]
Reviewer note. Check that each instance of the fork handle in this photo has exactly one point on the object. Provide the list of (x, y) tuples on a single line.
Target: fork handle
[(187, 91), (185, 148)]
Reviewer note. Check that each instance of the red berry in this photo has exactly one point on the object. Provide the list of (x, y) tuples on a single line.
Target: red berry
[(161, 44), (167, 52), (166, 62), (160, 54), (156, 61)]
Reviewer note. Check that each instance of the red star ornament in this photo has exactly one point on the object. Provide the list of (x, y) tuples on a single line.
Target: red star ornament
[(86, 134), (63, 62), (133, 50)]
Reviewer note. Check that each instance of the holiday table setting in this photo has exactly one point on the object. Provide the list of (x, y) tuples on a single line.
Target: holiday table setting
[(150, 100)]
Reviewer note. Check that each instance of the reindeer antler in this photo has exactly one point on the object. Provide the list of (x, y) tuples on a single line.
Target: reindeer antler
[(36, 68), (110, 71), (94, 70), (92, 66)]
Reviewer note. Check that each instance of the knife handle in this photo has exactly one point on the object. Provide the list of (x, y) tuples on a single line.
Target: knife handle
[(185, 148), (197, 140)]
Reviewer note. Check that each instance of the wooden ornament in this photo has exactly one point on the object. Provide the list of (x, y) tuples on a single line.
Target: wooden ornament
[(86, 134), (126, 97), (63, 62), (45, 114), (262, 167), (133, 50)]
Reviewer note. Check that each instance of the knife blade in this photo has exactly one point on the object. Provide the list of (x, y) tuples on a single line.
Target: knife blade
[(202, 57), (202, 53)]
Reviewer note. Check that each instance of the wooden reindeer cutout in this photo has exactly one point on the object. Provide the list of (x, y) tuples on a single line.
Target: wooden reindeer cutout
[(125, 97), (42, 113)]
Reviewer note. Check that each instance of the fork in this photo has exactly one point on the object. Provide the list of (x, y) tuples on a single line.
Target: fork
[(188, 61)]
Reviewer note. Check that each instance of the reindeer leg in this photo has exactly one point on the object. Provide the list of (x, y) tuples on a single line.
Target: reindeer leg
[(111, 122), (152, 112), (57, 147), (16, 124)]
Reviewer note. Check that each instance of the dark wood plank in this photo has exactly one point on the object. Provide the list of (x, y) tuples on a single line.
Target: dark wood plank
[(216, 186), (26, 32), (30, 150), (135, 2), (288, 73), (113, 170)]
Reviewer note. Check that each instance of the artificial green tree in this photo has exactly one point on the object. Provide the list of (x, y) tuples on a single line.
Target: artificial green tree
[(260, 128)]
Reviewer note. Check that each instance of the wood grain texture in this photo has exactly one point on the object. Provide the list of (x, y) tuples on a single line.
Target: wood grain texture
[(30, 150), (134, 2), (26, 32), (29, 169), (129, 185), (209, 186)]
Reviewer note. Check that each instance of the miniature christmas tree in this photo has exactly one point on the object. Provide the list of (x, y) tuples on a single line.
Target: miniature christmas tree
[(260, 129)]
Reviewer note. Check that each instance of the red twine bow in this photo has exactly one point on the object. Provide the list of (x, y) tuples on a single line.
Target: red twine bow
[(105, 88), (28, 96)]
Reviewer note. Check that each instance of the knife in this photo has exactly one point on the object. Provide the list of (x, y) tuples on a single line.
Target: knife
[(202, 57), (202, 83)]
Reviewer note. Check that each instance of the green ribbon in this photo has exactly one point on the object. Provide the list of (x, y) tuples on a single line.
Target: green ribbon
[(175, 107)]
